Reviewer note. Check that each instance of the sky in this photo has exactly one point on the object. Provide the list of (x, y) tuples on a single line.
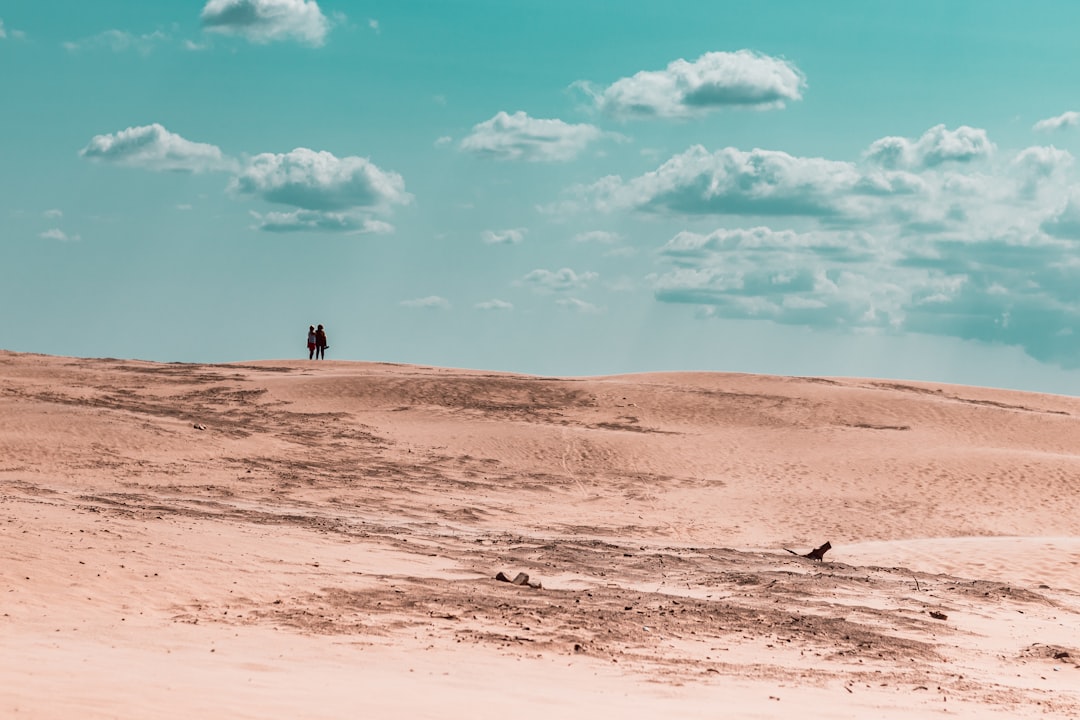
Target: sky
[(882, 189)]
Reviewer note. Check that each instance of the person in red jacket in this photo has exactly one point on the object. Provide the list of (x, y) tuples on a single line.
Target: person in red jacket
[(320, 343)]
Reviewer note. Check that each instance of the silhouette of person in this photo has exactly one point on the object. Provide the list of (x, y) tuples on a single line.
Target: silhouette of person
[(320, 343), (311, 342)]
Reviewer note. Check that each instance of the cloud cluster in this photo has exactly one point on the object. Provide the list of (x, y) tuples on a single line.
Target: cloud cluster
[(715, 80), (327, 193), (263, 21), (154, 148), (967, 251), (520, 137)]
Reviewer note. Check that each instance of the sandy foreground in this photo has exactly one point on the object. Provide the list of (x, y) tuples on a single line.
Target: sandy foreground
[(295, 539)]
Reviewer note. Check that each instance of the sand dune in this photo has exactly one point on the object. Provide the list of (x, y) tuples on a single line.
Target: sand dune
[(320, 539)]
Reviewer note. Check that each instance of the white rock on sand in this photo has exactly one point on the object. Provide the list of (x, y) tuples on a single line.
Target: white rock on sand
[(326, 545)]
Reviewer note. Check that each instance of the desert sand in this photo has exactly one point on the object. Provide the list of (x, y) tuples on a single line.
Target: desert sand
[(297, 539)]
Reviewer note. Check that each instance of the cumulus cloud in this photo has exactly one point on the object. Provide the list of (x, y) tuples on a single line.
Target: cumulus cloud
[(715, 80), (327, 193), (520, 137), (154, 148), (53, 213), (119, 41), (513, 236), (320, 181), (316, 221), (732, 181), (937, 146), (3, 32), (494, 304), (431, 301), (1065, 120), (58, 234), (263, 21), (558, 280)]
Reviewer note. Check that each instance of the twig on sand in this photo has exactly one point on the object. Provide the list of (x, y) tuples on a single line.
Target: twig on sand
[(817, 553)]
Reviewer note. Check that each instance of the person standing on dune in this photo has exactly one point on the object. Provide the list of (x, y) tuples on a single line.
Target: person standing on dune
[(311, 342), (320, 343)]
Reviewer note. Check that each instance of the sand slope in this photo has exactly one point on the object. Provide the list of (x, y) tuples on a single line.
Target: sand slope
[(319, 540)]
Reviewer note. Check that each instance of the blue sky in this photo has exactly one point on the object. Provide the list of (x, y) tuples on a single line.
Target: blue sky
[(573, 188)]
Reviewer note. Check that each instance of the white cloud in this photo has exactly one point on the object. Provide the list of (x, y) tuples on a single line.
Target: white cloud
[(320, 181), (715, 80), (513, 236), (494, 304), (559, 280), (444, 141), (581, 306), (1065, 120), (58, 234), (1065, 223), (15, 34), (374, 25), (53, 213), (119, 41), (520, 137), (1036, 165), (821, 279), (937, 145), (317, 221), (597, 236), (431, 301), (263, 21), (154, 148), (731, 181)]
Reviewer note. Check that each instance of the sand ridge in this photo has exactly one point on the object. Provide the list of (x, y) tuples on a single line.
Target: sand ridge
[(199, 527)]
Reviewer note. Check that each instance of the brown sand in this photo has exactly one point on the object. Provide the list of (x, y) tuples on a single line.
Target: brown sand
[(320, 540)]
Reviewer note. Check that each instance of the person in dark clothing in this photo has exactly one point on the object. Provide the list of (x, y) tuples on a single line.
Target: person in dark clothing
[(311, 342), (320, 343)]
